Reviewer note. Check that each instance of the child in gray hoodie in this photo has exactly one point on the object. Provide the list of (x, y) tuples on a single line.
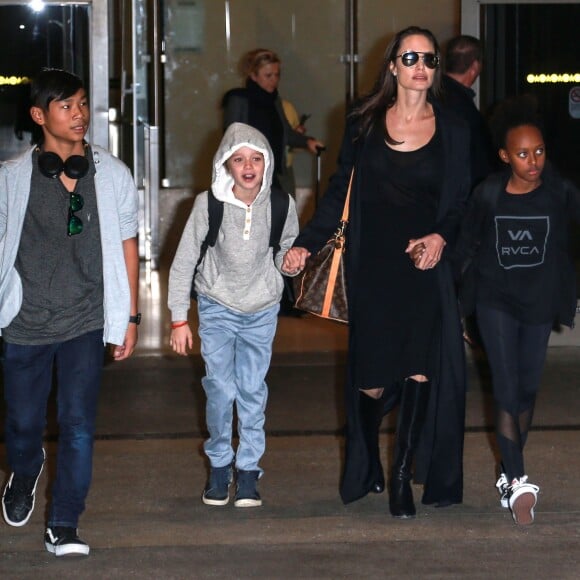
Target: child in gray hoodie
[(239, 285)]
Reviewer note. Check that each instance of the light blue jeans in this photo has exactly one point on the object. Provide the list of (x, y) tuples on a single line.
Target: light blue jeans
[(236, 349)]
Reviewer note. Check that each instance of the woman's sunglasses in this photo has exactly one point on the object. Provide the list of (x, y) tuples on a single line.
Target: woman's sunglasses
[(75, 224), (411, 58)]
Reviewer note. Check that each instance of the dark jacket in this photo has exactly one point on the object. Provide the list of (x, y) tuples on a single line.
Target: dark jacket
[(479, 218), (237, 105), (483, 157), (439, 459)]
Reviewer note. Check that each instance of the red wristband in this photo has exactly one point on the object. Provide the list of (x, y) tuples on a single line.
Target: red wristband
[(178, 324)]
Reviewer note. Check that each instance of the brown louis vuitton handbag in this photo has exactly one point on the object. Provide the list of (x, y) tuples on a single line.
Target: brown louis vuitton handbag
[(321, 287)]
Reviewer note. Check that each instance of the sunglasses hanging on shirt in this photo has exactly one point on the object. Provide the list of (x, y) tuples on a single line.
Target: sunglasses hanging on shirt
[(75, 223), (75, 167), (51, 165)]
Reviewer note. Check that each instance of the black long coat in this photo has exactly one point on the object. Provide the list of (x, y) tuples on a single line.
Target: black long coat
[(440, 454)]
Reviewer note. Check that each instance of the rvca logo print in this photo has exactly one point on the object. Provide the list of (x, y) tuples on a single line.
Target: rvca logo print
[(521, 241)]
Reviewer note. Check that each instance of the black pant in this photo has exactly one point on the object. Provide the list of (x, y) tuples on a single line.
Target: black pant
[(516, 353)]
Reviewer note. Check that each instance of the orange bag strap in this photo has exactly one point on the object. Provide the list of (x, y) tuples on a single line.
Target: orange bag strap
[(336, 256), (347, 200)]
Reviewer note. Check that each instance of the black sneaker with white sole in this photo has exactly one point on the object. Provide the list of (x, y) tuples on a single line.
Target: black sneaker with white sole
[(64, 541), (19, 497)]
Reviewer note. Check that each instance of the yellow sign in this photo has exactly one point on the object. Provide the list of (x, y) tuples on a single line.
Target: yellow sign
[(13, 81), (553, 78)]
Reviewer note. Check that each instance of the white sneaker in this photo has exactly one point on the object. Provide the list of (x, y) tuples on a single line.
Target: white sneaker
[(522, 500), (503, 490)]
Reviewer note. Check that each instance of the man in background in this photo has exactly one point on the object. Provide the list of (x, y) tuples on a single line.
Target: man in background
[(463, 63)]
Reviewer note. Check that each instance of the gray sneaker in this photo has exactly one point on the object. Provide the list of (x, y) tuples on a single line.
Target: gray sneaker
[(19, 497), (217, 489), (246, 489)]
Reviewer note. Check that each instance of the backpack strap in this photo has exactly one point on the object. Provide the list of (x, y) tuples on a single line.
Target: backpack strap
[(280, 202), (215, 210), (215, 214)]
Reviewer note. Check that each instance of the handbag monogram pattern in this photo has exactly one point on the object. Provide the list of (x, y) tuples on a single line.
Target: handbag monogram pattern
[(321, 287)]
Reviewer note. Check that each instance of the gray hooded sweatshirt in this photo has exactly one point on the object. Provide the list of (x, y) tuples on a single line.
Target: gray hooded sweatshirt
[(239, 272)]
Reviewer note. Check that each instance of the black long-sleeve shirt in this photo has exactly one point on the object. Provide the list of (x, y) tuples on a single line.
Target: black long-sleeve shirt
[(518, 250)]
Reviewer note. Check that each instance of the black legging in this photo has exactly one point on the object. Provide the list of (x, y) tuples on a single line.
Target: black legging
[(516, 353)]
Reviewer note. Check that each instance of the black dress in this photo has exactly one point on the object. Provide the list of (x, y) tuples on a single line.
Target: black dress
[(397, 308)]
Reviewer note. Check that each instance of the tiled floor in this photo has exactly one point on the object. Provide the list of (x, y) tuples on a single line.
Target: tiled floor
[(294, 335), (144, 516)]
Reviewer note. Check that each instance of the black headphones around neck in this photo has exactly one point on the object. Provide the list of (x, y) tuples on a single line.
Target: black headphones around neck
[(51, 165)]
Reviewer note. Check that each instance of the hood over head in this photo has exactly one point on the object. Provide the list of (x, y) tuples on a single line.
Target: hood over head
[(239, 135)]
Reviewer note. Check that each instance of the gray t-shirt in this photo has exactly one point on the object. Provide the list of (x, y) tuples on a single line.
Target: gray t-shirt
[(62, 276)]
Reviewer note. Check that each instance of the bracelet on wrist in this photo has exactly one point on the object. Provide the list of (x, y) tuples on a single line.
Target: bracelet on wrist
[(178, 324)]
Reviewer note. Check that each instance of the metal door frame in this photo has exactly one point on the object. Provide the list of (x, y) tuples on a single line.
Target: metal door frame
[(149, 127)]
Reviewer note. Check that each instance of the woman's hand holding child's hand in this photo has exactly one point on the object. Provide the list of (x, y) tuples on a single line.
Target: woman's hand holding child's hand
[(416, 252), (295, 260), (426, 251)]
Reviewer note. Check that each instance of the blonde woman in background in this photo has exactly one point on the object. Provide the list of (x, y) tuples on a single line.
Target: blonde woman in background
[(258, 104)]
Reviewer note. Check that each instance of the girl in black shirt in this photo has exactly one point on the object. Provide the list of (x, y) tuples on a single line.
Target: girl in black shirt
[(519, 278)]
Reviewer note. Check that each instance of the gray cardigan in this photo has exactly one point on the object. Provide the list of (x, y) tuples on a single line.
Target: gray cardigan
[(117, 203)]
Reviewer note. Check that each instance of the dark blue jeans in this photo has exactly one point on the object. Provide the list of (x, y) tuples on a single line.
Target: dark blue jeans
[(28, 374)]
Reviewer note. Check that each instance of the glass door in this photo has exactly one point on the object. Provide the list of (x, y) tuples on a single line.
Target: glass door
[(205, 41), (67, 35), (529, 48)]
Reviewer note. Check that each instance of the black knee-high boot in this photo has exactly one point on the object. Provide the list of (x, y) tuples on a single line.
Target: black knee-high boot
[(371, 416), (410, 422)]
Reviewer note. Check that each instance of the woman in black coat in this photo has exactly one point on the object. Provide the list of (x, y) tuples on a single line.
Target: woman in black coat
[(410, 159), (258, 104)]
